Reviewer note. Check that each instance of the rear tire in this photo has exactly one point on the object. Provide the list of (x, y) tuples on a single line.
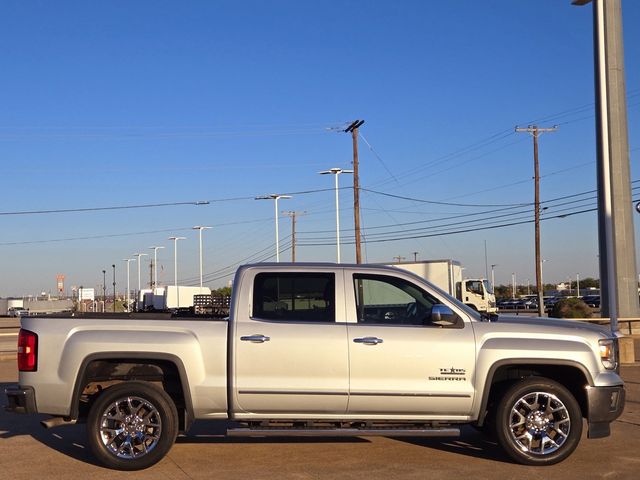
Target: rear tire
[(538, 422), (132, 426)]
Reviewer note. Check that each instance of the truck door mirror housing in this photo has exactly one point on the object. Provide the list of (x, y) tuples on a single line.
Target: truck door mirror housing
[(443, 316)]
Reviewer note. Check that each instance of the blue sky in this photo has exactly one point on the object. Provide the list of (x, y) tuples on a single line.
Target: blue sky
[(130, 103)]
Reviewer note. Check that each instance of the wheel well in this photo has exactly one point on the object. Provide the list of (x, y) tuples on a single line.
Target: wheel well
[(571, 377), (99, 375)]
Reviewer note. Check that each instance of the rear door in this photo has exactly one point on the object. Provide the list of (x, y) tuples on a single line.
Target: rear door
[(400, 362), (290, 345)]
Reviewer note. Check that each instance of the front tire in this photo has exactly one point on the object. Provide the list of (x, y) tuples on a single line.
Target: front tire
[(538, 422), (132, 425)]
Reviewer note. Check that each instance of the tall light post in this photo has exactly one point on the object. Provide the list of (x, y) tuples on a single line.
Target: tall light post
[(139, 283), (336, 172), (618, 290), (175, 265), (578, 284), (104, 290), (200, 229), (155, 265), (114, 287), (275, 197), (128, 260)]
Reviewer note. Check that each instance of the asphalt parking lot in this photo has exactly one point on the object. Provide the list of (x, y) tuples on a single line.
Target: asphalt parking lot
[(29, 451)]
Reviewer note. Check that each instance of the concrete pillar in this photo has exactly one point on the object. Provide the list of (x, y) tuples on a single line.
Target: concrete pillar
[(619, 280)]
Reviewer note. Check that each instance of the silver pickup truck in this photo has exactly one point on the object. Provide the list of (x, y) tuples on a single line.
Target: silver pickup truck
[(325, 350)]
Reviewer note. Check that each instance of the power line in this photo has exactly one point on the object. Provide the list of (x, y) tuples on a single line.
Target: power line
[(93, 237), (475, 229), (513, 215), (153, 205), (378, 157), (434, 202), (96, 209)]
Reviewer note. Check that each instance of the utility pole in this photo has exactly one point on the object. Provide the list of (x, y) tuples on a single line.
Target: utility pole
[(399, 258), (415, 256), (493, 277), (293, 214), (353, 129), (535, 132)]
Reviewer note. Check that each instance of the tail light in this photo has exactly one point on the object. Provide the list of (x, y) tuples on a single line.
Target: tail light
[(27, 351)]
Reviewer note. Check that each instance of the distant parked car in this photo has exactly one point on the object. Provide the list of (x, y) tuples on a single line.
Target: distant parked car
[(550, 302), (592, 300), (508, 303), (18, 312)]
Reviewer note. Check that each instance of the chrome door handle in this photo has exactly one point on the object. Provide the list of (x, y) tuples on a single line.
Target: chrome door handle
[(368, 340), (255, 338)]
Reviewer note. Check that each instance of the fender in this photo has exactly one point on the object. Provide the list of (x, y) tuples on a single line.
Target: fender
[(81, 378), (523, 361)]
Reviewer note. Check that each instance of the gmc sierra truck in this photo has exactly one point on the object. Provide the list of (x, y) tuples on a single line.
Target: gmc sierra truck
[(324, 350)]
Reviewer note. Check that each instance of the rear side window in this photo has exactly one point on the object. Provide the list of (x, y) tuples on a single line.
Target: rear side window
[(306, 297)]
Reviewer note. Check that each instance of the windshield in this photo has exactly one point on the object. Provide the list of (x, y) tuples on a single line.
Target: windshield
[(488, 287)]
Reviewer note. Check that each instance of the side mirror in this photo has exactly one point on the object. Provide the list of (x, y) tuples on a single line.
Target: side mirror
[(443, 316)]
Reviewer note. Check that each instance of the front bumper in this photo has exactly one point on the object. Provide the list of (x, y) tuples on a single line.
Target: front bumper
[(21, 399), (605, 404)]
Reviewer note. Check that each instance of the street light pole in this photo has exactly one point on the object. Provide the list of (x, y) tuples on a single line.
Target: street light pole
[(275, 197), (104, 290), (139, 283), (128, 260), (200, 229), (155, 265), (114, 287), (175, 266), (336, 172)]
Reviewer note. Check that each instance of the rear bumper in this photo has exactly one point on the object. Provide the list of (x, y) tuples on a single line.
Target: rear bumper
[(605, 404), (21, 399)]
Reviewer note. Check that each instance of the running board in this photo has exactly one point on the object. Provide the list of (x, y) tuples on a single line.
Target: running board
[(343, 432)]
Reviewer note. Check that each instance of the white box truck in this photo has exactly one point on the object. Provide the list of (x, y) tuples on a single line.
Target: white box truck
[(447, 275), (182, 297)]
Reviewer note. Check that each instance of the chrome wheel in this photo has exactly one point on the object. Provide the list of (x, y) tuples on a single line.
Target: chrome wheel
[(130, 427), (539, 423)]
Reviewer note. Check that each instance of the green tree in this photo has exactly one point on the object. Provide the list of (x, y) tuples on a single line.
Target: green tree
[(589, 283), (224, 291), (570, 308)]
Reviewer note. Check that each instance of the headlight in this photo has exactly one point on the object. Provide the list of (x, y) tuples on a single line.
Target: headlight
[(609, 353)]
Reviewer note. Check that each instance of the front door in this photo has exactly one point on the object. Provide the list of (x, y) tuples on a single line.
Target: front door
[(400, 362)]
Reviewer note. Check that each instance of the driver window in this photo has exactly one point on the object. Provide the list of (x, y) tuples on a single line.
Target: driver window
[(474, 287), (391, 301)]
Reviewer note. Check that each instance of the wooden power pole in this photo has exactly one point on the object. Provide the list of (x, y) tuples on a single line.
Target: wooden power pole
[(293, 215), (353, 129), (535, 132)]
